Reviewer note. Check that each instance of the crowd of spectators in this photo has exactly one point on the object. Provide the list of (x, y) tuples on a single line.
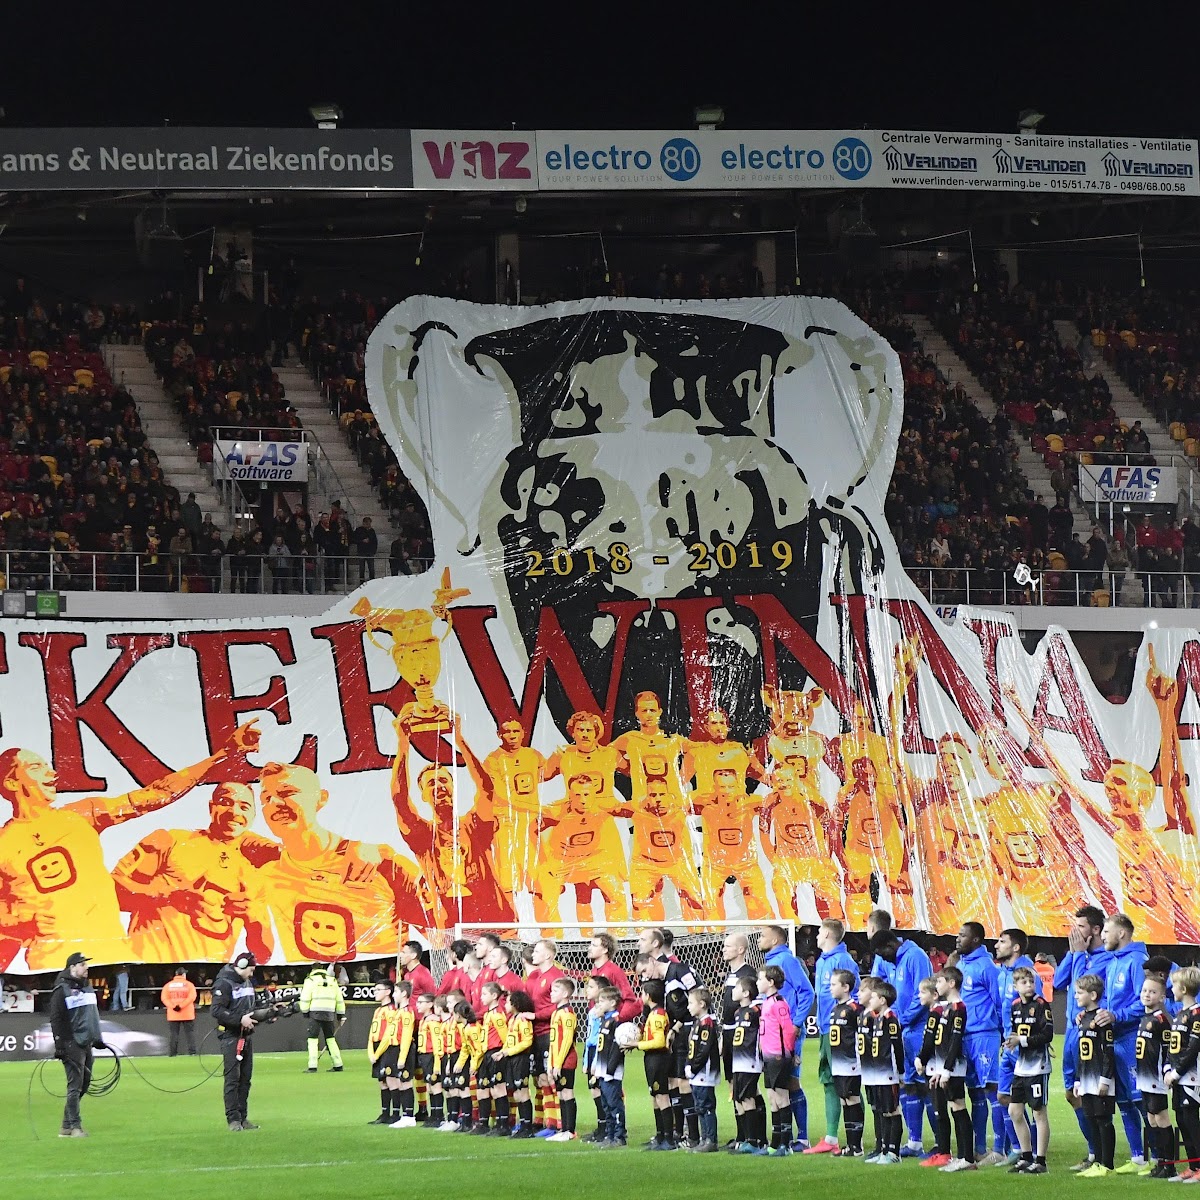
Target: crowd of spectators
[(80, 488), (1152, 339), (1006, 336), (79, 476)]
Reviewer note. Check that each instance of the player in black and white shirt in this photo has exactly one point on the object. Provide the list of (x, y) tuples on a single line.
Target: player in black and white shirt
[(1096, 1083), (1031, 1022), (1150, 1057), (944, 1064), (881, 1056), (678, 980), (1183, 1051), (733, 951), (749, 1108), (843, 1058)]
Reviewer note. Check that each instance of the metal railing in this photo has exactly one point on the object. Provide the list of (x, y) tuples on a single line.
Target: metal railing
[(1081, 589), (113, 571), (259, 433), (322, 574)]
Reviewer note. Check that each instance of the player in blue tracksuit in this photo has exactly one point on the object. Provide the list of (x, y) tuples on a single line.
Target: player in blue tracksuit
[(1010, 954), (1086, 956), (981, 1041), (904, 964), (833, 957), (798, 992), (1122, 1001)]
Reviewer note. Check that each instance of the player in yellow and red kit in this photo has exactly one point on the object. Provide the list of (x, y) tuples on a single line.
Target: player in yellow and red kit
[(382, 1053), (730, 849), (330, 898), (662, 850), (648, 751), (951, 834), (190, 892), (1066, 795), (584, 755), (516, 773), (1178, 834), (561, 1059), (581, 848), (702, 757), (794, 828), (458, 870), (1044, 878), (792, 736), (876, 837), (949, 825), (1149, 878), (55, 890)]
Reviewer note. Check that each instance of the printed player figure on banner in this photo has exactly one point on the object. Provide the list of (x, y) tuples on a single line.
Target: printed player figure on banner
[(417, 653)]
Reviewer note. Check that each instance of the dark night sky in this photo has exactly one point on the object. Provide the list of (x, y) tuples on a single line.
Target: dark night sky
[(960, 67)]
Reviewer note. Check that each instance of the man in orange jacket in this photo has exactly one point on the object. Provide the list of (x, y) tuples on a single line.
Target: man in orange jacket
[(179, 999)]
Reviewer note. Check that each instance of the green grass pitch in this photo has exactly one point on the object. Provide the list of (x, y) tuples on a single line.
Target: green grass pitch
[(315, 1142)]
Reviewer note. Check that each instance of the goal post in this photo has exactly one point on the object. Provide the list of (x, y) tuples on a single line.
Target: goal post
[(697, 943)]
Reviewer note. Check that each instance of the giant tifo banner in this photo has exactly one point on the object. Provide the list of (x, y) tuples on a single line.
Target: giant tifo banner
[(667, 664)]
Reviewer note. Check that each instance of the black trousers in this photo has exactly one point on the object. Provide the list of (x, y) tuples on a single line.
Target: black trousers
[(186, 1027), (77, 1062), (237, 1076)]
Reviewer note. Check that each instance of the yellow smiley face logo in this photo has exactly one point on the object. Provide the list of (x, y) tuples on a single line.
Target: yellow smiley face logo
[(324, 931), (52, 870)]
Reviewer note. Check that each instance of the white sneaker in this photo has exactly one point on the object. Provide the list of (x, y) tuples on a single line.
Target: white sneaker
[(447, 1126), (405, 1123), (562, 1136), (957, 1164)]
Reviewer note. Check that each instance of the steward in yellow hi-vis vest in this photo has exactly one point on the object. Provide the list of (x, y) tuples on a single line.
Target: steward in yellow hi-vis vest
[(321, 1000)]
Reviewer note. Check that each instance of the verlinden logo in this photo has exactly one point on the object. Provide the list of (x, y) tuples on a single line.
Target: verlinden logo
[(1116, 167), (901, 160), (1021, 164)]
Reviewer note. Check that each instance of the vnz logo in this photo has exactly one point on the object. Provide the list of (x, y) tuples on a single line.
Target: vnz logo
[(478, 159), (898, 160), (1123, 168), (273, 454), (1019, 164)]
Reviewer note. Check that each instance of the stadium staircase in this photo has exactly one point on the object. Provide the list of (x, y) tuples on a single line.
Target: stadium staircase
[(1031, 465), (335, 473), (129, 366), (1125, 403)]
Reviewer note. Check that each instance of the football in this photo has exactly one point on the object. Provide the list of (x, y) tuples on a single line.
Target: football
[(628, 1035)]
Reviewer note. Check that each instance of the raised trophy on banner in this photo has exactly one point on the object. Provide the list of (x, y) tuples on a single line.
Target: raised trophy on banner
[(417, 653)]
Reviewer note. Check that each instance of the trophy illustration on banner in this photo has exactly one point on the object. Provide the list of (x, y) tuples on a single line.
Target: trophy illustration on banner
[(417, 652)]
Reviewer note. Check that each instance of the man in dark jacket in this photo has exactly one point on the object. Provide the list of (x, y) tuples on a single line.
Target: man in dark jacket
[(366, 543), (232, 1009), (75, 1024)]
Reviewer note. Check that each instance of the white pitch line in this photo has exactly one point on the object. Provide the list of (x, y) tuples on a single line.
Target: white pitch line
[(319, 1164)]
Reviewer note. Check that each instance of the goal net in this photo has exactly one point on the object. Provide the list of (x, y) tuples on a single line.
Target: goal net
[(697, 944)]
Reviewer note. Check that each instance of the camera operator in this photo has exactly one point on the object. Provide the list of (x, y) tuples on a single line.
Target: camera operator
[(234, 1012), (75, 1024)]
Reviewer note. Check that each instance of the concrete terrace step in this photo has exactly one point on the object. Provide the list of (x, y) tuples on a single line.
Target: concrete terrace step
[(1031, 464), (129, 367)]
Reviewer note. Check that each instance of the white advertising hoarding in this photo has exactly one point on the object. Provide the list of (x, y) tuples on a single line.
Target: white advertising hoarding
[(1128, 484)]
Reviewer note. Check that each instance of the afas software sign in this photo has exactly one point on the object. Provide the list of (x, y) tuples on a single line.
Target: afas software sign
[(261, 462), (1128, 484)]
